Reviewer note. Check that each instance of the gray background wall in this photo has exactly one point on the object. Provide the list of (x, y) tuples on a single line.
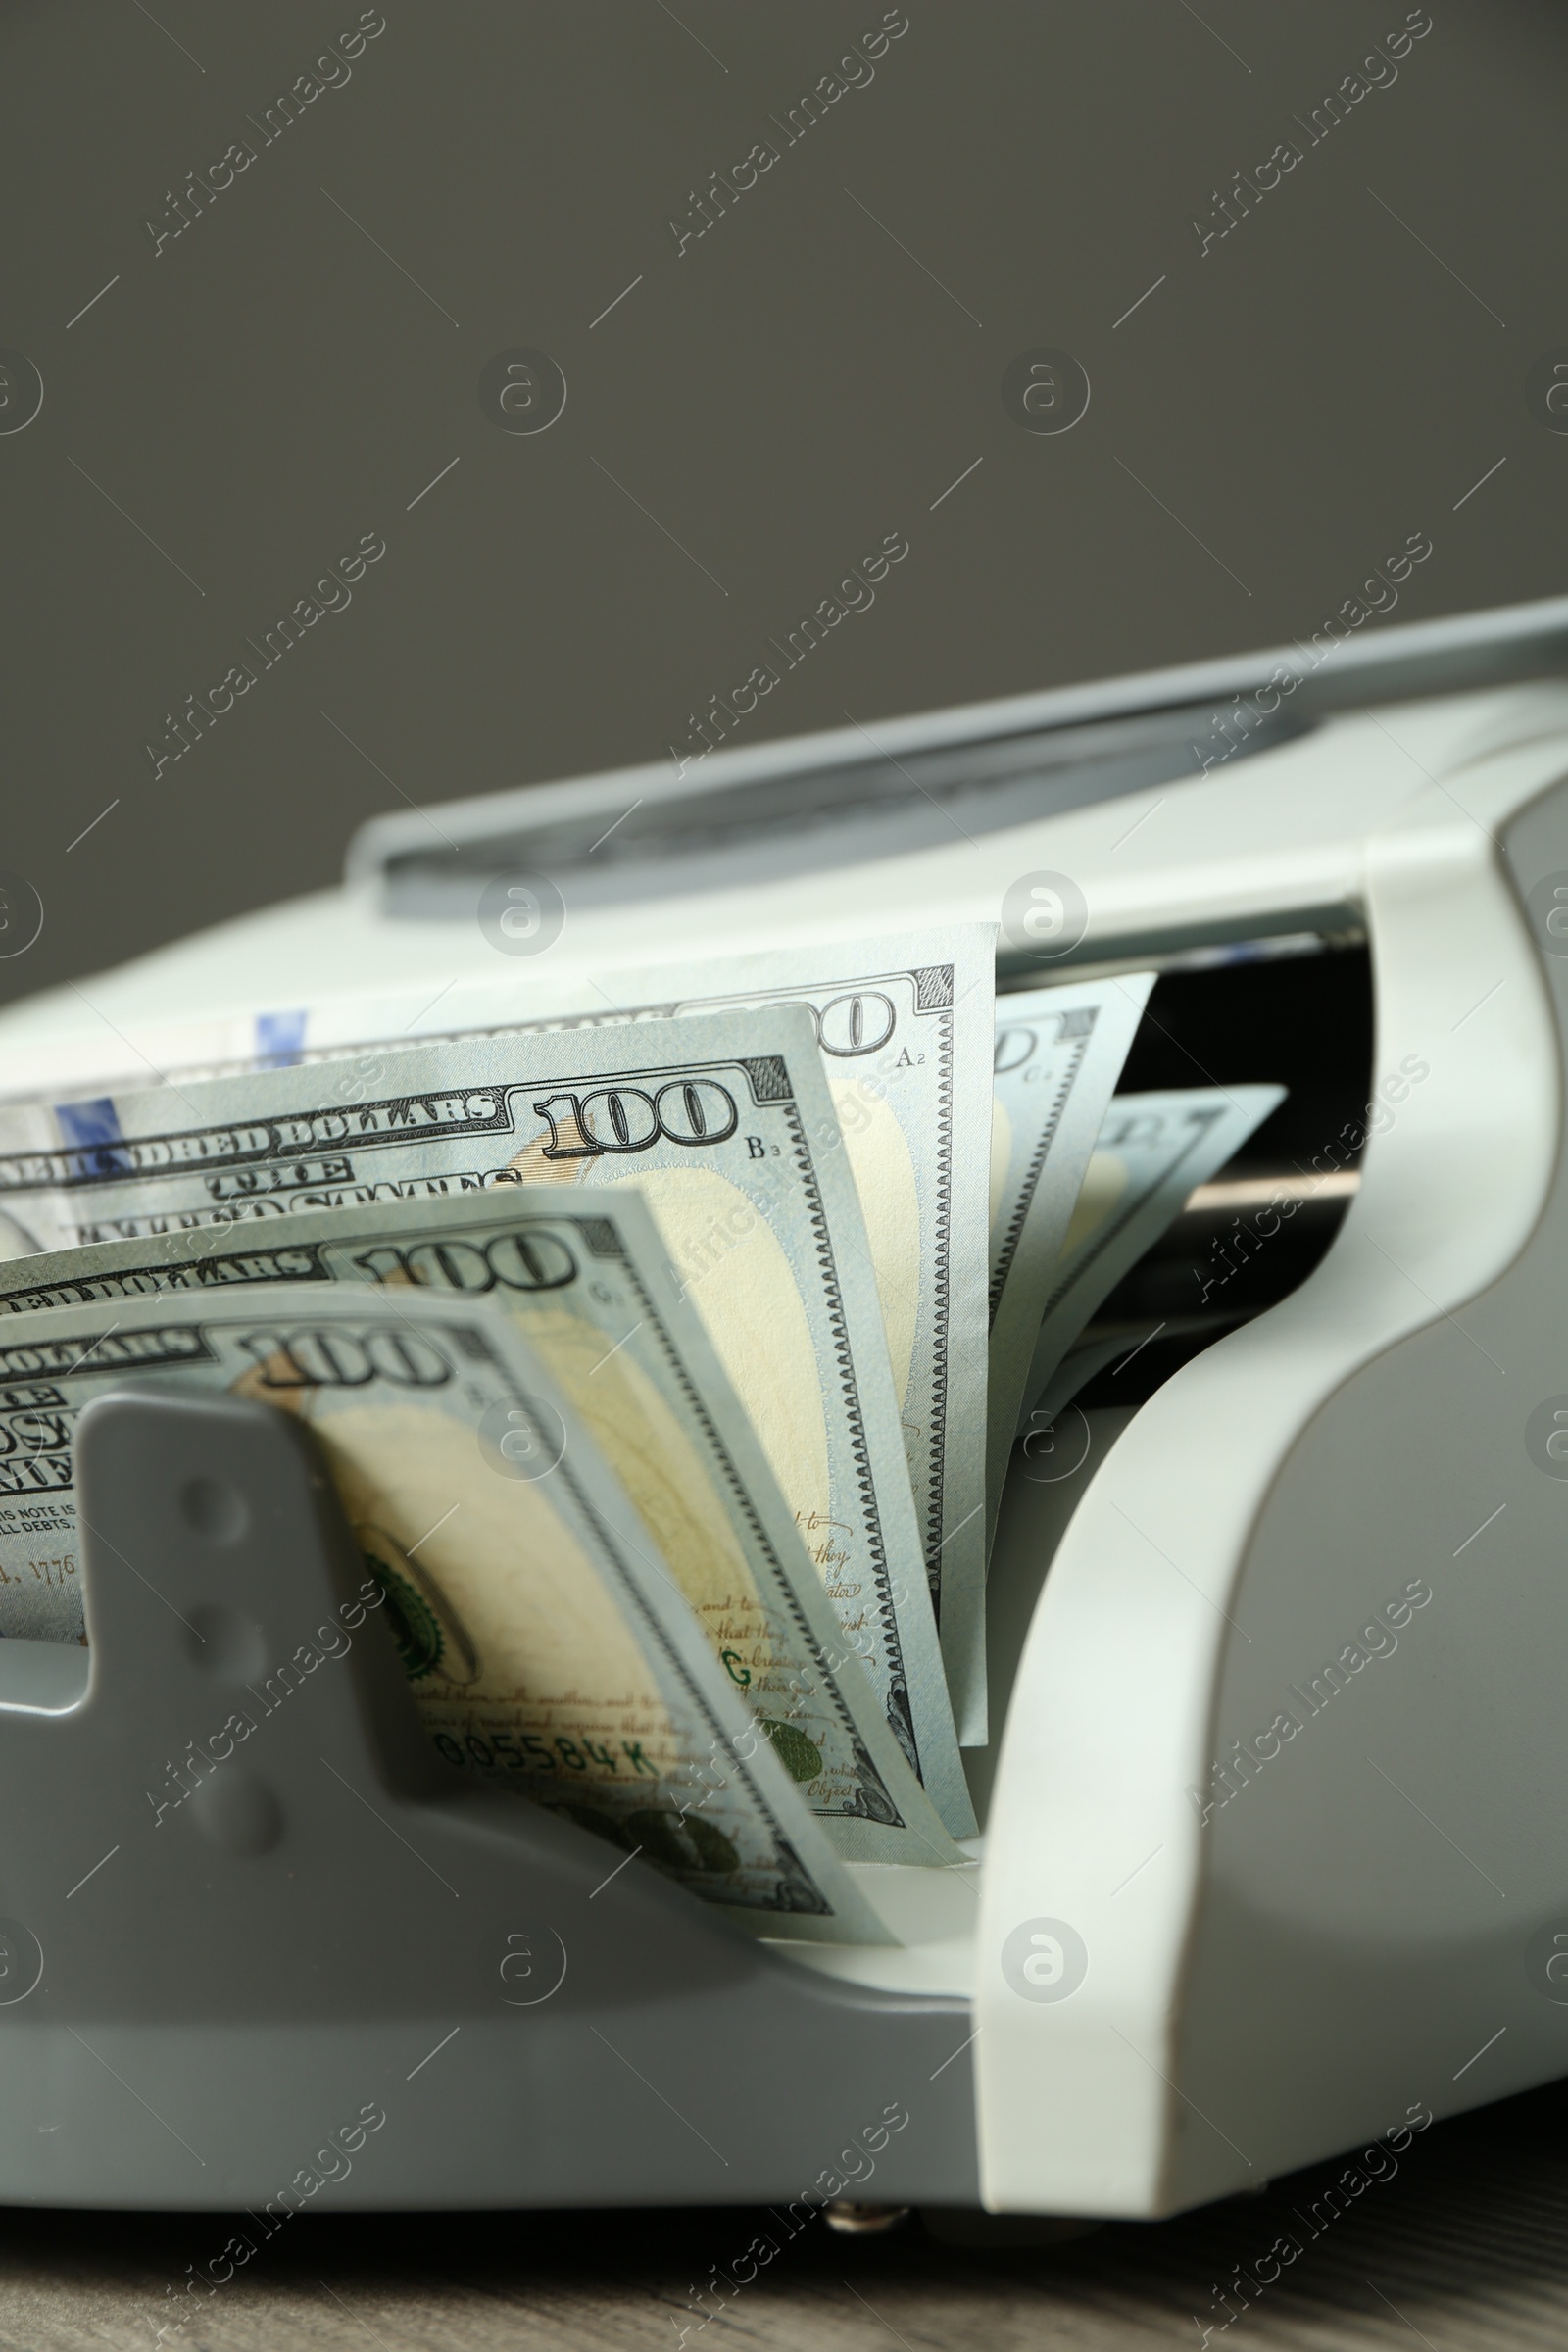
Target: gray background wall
[(302, 362)]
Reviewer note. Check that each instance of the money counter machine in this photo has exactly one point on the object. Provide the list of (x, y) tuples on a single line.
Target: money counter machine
[(1267, 1865)]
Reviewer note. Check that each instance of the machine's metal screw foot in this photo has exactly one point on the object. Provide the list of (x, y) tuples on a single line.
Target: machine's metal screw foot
[(863, 2220)]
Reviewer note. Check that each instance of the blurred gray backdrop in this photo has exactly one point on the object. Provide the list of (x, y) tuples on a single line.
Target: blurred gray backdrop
[(295, 282)]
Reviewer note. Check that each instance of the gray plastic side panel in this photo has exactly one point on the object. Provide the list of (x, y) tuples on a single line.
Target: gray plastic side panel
[(1371, 1895), (321, 1927)]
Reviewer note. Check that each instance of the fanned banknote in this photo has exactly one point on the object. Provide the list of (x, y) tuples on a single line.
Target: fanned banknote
[(1059, 1055), (1151, 1153), (903, 1025), (550, 1652), (589, 1285), (728, 1130)]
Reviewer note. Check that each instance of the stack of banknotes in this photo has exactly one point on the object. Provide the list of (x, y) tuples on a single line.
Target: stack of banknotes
[(666, 1335)]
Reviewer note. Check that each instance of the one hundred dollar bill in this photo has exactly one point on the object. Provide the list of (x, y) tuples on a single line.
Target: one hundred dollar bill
[(1151, 1153), (588, 1282), (1059, 1055), (549, 1651), (730, 1132), (904, 1026)]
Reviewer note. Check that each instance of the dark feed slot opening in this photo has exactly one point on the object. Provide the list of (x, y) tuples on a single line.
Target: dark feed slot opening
[(1297, 1016), (1303, 1021)]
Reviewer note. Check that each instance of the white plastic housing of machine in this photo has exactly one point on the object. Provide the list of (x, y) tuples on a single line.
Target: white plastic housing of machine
[(1271, 1860)]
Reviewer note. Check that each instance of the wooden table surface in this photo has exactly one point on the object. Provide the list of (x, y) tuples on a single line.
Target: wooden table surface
[(1465, 2249)]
